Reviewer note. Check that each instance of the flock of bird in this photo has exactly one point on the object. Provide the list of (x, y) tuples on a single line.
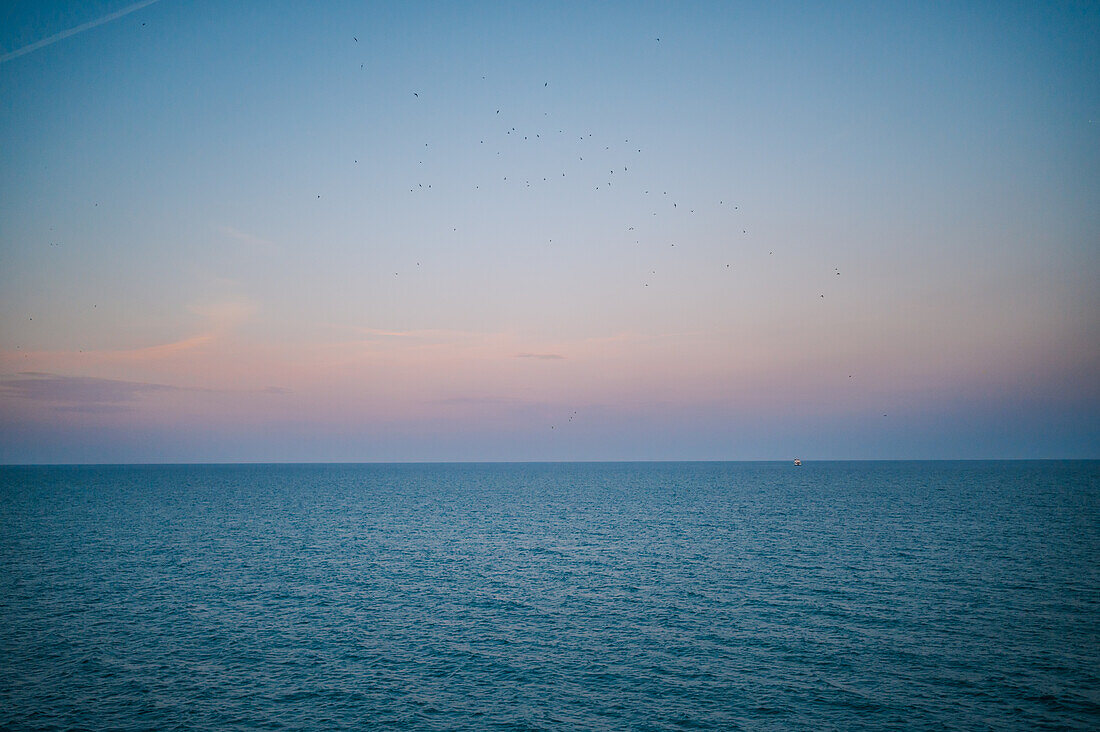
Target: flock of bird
[(597, 175), (609, 166)]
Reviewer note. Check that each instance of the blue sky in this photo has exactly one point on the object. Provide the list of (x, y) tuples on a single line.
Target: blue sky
[(274, 231)]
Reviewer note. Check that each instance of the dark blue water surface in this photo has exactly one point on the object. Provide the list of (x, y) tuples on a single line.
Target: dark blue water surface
[(551, 596)]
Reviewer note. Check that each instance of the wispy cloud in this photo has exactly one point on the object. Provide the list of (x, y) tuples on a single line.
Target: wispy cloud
[(73, 31), (221, 319), (379, 333), (478, 400), (82, 359), (79, 393), (99, 395), (95, 408), (164, 349), (424, 334), (245, 237), (542, 356)]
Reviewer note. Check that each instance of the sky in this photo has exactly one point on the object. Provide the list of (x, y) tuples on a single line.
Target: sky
[(306, 232)]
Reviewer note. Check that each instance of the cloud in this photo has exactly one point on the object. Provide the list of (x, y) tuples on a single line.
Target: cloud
[(80, 393), (371, 333), (225, 315), (162, 350), (244, 236), (95, 408), (222, 318), (459, 401), (542, 356), (73, 31), (95, 395), (427, 335)]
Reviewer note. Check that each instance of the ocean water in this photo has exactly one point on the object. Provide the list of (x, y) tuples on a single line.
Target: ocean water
[(876, 595)]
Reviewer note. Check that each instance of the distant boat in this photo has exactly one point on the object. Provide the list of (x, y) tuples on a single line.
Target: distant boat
[(797, 461)]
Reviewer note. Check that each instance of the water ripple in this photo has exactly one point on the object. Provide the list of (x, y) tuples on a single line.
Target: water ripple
[(597, 596)]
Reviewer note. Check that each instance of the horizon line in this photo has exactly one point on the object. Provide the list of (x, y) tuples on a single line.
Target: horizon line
[(543, 462)]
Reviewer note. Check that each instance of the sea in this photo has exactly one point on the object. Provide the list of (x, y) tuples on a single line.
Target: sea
[(555, 596)]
